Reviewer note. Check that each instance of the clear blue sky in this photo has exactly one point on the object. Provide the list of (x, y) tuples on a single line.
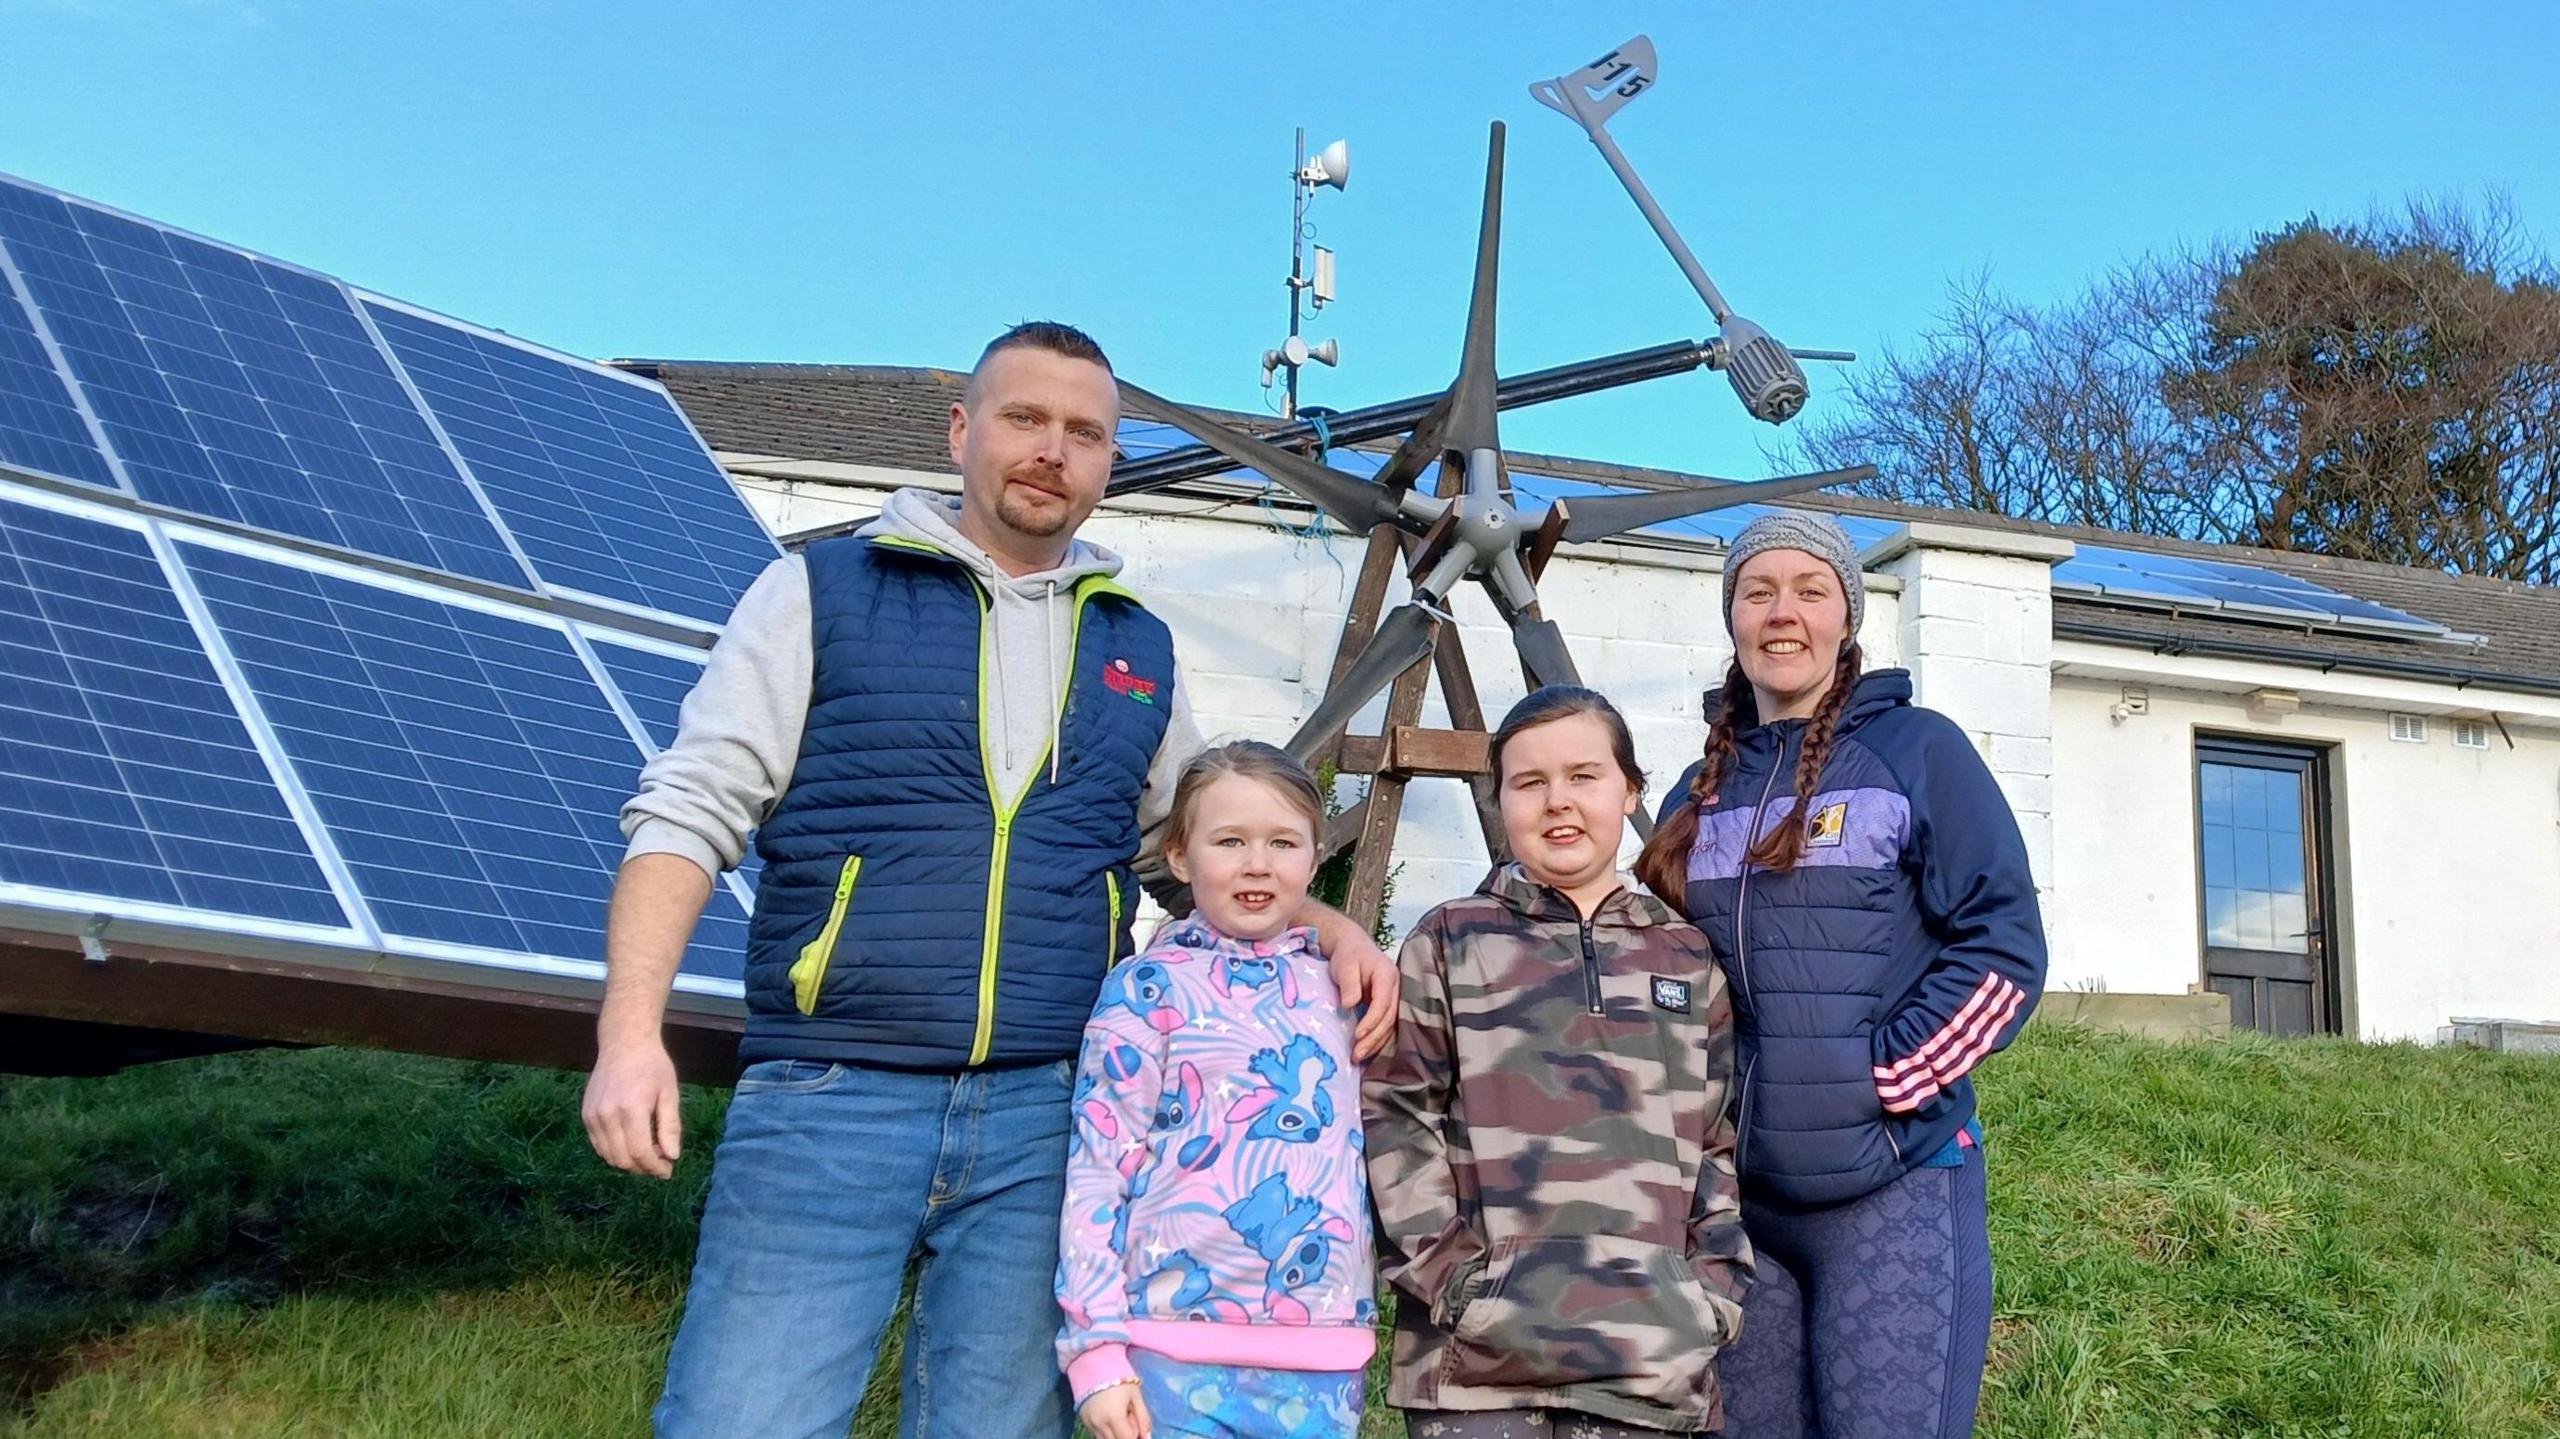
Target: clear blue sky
[(894, 183)]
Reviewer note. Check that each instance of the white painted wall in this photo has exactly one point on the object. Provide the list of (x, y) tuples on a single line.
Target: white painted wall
[(2450, 865), (1256, 613), (2451, 873)]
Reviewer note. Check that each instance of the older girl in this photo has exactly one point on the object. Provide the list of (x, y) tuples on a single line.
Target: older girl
[(1547, 1138)]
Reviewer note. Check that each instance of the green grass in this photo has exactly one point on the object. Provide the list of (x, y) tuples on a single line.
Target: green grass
[(2304, 1239)]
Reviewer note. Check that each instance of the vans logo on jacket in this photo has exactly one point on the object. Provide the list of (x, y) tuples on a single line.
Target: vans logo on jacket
[(1118, 678), (1671, 994)]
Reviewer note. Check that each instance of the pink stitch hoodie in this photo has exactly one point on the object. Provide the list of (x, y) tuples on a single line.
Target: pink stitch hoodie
[(1217, 1203)]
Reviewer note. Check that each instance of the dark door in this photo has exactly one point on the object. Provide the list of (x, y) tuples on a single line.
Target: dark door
[(2262, 823)]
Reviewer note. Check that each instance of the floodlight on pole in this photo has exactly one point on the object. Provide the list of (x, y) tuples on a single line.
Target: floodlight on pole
[(1330, 166)]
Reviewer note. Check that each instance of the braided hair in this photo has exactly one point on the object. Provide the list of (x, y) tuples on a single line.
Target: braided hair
[(1663, 867)]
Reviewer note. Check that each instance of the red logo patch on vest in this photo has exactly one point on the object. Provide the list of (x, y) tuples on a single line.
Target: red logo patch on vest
[(1118, 678)]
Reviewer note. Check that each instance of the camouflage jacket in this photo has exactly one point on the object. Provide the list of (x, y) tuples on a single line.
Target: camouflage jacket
[(1552, 1162)]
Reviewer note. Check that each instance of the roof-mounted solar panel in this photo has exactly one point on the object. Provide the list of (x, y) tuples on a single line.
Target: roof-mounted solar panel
[(2148, 580)]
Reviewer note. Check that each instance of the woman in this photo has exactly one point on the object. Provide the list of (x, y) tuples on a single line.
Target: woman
[(1863, 883)]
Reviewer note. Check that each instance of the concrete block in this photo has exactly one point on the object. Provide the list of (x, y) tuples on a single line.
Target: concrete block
[(2020, 754), (2182, 1017), (1987, 697), (1932, 636), (2027, 793), (2508, 1036), (1999, 572), (1936, 598)]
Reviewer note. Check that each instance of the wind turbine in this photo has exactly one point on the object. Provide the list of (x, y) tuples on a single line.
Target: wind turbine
[(1475, 533)]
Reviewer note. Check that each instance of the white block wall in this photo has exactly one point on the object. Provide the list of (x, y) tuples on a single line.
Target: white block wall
[(2451, 871), (1256, 612)]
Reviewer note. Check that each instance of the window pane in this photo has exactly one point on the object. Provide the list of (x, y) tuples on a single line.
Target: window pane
[(2251, 855), (2254, 869), (2293, 925), (2284, 801), (2222, 917), (2257, 919), (2217, 855)]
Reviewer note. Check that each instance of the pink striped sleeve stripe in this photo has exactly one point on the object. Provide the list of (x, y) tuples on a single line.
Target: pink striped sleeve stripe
[(1904, 1093), (1954, 1063), (1903, 1098), (1994, 991)]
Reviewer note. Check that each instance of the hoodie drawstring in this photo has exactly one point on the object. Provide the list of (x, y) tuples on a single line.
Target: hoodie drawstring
[(1057, 697)]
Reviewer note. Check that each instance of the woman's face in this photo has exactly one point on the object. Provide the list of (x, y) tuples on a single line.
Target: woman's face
[(1789, 622)]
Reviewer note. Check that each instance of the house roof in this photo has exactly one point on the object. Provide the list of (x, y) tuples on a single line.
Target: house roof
[(898, 417)]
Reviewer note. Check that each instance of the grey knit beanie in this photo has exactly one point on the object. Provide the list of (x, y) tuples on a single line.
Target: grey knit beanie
[(1817, 535)]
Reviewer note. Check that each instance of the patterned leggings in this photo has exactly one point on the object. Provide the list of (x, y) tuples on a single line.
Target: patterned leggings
[(1518, 1424), (1228, 1401), (1869, 1319)]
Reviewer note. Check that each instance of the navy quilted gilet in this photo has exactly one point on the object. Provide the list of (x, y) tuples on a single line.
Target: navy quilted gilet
[(908, 917)]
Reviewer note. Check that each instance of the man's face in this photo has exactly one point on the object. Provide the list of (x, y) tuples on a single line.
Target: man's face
[(1033, 442)]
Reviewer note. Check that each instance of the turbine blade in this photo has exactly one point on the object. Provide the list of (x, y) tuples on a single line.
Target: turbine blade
[(1472, 424), (1420, 448), (1357, 504), (1403, 640), (1542, 651), (1597, 517)]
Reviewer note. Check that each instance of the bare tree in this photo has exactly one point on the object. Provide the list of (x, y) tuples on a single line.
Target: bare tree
[(2385, 390)]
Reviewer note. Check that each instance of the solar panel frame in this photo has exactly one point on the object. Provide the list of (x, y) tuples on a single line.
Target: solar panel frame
[(525, 460), (242, 389), (215, 792), (335, 812), (649, 693)]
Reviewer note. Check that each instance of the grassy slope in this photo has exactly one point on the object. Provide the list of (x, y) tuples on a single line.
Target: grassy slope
[(2253, 1239)]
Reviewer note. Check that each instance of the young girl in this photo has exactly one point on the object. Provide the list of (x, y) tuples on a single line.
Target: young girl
[(1547, 1141), (1865, 884), (1214, 1262)]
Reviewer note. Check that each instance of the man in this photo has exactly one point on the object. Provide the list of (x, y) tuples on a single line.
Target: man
[(947, 732)]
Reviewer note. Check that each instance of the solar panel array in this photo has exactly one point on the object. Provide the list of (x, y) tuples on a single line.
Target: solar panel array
[(326, 618), (2145, 579)]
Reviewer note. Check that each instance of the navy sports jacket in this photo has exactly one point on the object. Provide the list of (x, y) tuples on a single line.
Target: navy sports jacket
[(1900, 951)]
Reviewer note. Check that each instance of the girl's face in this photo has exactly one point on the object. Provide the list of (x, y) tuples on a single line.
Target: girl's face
[(1565, 803), (1789, 621), (1248, 858)]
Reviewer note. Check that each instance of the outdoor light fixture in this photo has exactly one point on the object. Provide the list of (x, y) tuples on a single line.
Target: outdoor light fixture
[(1295, 352), (1329, 167)]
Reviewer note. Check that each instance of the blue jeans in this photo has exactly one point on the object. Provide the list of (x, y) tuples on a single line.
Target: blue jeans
[(829, 1180)]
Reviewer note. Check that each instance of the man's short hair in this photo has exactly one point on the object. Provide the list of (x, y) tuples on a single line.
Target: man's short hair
[(1048, 335)]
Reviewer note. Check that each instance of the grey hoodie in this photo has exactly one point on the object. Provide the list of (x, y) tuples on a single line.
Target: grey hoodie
[(738, 735)]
